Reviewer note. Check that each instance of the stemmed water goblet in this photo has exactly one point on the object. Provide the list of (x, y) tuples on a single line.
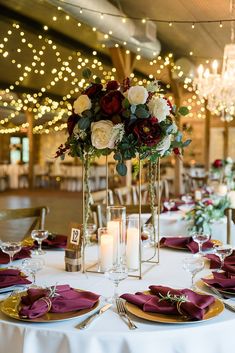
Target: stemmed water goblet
[(32, 266), (200, 238), (116, 274), (222, 252), (193, 265), (10, 248), (39, 235), (169, 205)]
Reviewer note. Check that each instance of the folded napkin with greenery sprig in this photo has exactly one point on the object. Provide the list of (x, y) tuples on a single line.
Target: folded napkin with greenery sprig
[(56, 299), (169, 301)]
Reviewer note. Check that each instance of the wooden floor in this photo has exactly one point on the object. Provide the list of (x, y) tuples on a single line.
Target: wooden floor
[(65, 207)]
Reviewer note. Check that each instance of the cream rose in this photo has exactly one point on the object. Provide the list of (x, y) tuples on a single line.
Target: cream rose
[(102, 134), (81, 104), (159, 108), (137, 95)]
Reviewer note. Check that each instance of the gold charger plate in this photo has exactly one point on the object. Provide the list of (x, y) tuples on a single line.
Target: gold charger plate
[(215, 309), (200, 283), (10, 307)]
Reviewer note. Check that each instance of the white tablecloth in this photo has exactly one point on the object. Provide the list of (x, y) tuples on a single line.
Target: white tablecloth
[(109, 333)]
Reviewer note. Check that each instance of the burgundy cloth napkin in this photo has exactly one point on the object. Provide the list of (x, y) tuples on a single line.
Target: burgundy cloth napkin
[(12, 277), (55, 241), (229, 262), (37, 302), (22, 254), (222, 280), (194, 308), (185, 243)]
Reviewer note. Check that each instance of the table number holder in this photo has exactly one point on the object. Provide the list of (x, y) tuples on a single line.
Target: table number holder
[(73, 256)]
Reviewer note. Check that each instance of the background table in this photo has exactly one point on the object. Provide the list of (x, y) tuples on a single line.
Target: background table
[(109, 333)]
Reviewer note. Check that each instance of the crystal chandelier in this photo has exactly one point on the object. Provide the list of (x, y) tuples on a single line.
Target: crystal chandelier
[(219, 89)]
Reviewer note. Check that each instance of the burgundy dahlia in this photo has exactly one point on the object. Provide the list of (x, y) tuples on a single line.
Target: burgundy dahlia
[(111, 103), (93, 90), (148, 131), (112, 85), (72, 121)]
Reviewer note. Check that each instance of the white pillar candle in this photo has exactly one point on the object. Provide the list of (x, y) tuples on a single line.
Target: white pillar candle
[(114, 230), (106, 251), (132, 248), (222, 190), (231, 197)]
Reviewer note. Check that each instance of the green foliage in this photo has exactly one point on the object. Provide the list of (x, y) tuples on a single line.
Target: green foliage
[(86, 73), (183, 111), (205, 213)]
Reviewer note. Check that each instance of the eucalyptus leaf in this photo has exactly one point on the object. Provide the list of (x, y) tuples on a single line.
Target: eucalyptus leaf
[(121, 169), (140, 112), (183, 111), (186, 143), (86, 73), (84, 123)]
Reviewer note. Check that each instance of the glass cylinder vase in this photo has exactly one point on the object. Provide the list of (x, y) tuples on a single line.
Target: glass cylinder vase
[(116, 224), (133, 243), (105, 246)]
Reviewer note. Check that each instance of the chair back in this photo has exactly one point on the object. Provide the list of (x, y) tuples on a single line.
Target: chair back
[(123, 195), (100, 197), (37, 213)]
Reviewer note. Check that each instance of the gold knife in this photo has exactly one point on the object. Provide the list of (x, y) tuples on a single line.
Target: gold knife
[(84, 324)]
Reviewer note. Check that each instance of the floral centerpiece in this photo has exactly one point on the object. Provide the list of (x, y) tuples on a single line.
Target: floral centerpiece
[(126, 120), (205, 213), (223, 170)]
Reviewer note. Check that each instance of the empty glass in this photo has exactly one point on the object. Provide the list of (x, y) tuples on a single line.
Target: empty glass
[(193, 265), (32, 266), (169, 205), (186, 199), (200, 238), (10, 248), (39, 235), (222, 252), (116, 274)]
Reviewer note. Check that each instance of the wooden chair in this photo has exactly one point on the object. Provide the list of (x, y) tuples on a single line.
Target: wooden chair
[(124, 195), (230, 214), (99, 212), (37, 213), (100, 197), (144, 193)]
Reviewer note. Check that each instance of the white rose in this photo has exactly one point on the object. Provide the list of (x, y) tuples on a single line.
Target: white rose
[(159, 108), (81, 104), (101, 134), (164, 145), (137, 95), (229, 160)]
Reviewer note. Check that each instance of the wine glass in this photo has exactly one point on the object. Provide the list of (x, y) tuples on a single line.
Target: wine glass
[(90, 230), (200, 238), (116, 274), (193, 265), (222, 252), (10, 248), (187, 199), (32, 266), (169, 205), (39, 235)]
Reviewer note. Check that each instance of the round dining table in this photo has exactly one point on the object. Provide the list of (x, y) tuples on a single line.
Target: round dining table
[(110, 333)]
